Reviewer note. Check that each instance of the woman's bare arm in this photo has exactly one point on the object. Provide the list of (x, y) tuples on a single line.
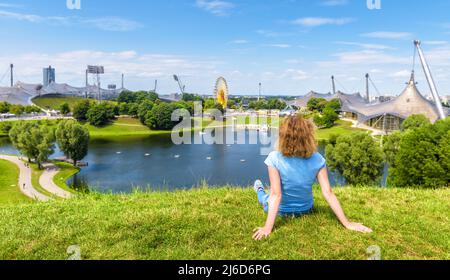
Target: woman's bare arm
[(274, 205), (335, 205)]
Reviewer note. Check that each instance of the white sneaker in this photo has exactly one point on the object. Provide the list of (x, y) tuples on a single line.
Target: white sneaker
[(258, 186)]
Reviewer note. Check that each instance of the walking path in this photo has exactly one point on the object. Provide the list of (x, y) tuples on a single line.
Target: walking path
[(356, 124), (47, 183), (46, 180), (25, 184)]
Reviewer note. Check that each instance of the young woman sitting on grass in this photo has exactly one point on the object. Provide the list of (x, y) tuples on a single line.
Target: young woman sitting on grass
[(293, 169)]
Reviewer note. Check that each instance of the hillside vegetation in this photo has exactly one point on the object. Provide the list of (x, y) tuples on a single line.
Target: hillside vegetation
[(217, 224)]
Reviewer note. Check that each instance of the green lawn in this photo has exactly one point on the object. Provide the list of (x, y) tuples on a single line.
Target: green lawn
[(66, 172), (122, 127), (54, 102), (256, 120), (35, 175), (217, 224), (126, 126), (341, 128), (9, 189)]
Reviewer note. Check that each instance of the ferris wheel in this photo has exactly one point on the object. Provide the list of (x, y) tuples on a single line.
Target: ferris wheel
[(221, 92)]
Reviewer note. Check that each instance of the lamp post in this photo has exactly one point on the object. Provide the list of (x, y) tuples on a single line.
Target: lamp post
[(97, 70)]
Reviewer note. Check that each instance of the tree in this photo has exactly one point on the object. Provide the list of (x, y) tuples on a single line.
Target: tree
[(160, 117), (153, 96), (5, 127), (137, 97), (327, 119), (44, 138), (191, 97), (357, 157), (276, 104), (32, 109), (209, 103), (33, 141), (444, 152), (73, 140), (124, 108), (64, 109), (391, 147), (334, 104), (415, 121), (17, 110), (143, 109), (4, 107), (317, 104), (126, 97), (100, 114), (422, 159), (133, 110), (80, 110)]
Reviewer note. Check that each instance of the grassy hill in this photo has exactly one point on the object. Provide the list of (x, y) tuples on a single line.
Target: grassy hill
[(54, 102), (217, 224), (9, 190)]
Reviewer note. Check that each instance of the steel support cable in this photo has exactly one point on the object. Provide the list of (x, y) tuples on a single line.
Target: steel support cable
[(373, 84)]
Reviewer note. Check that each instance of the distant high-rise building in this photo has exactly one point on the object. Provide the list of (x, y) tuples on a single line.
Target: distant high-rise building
[(49, 76)]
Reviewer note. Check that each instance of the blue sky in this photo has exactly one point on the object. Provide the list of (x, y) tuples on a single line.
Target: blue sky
[(291, 46)]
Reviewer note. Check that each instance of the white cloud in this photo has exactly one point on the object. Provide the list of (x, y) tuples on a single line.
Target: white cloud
[(280, 46), (294, 61), (319, 21), (371, 57), (216, 7), (113, 24), (364, 45), (9, 5), (332, 3), (435, 43), (105, 23), (388, 35), (296, 75), (139, 68), (401, 74), (272, 34), (240, 41)]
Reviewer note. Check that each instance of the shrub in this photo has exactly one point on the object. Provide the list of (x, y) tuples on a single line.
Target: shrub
[(391, 147), (81, 109), (357, 157), (64, 109), (100, 114), (327, 119), (415, 121), (422, 158), (4, 107), (160, 117), (143, 110)]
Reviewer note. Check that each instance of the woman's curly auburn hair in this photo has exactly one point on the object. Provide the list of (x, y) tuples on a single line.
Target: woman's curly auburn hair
[(297, 137)]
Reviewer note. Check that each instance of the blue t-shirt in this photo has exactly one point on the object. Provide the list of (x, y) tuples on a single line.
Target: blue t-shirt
[(297, 178)]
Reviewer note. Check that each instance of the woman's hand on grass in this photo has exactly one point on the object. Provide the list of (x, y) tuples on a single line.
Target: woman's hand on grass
[(261, 233), (358, 227)]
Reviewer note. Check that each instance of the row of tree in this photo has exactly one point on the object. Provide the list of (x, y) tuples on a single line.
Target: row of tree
[(96, 113), (417, 156), (17, 110), (152, 112), (271, 104), (37, 142)]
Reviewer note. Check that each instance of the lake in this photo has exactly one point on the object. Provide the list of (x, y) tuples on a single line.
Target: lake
[(120, 165)]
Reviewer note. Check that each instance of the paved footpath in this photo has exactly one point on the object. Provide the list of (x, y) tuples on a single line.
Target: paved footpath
[(48, 184), (25, 184)]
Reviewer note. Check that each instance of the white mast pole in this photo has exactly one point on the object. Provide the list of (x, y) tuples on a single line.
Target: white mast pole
[(430, 80)]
